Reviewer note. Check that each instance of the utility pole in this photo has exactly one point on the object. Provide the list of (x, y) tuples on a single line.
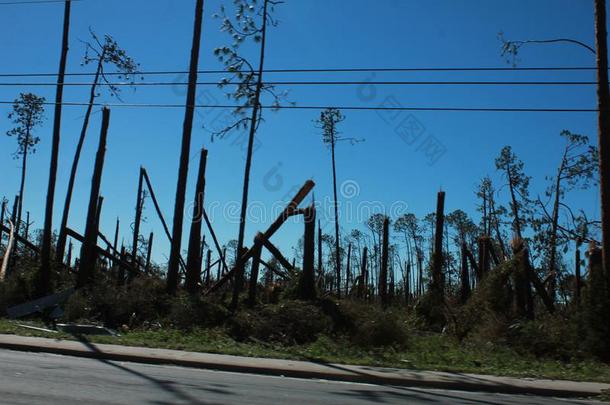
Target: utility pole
[(603, 127)]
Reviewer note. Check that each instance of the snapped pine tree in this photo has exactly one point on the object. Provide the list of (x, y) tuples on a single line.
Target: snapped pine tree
[(43, 277), (187, 129), (88, 255)]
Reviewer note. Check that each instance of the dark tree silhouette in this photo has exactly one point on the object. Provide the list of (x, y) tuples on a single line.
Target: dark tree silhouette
[(187, 129), (518, 183), (43, 278), (248, 92), (102, 54), (329, 118), (26, 115), (577, 168)]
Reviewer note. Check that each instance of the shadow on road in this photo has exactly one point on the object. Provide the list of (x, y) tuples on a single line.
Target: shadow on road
[(166, 385)]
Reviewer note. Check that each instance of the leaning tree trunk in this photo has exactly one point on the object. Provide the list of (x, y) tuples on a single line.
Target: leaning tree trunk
[(239, 274), (88, 255), (187, 129), (137, 220), (43, 278), (61, 241), (554, 228), (193, 259), (22, 183)]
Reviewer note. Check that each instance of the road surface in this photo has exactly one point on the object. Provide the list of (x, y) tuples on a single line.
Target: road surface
[(37, 378)]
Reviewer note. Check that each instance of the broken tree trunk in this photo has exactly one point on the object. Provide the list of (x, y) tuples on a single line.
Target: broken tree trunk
[(603, 123), (437, 265), (193, 258), (276, 253), (153, 197), (187, 128), (320, 259), (138, 218), (43, 278), (88, 253), (279, 221), (348, 274), (208, 268), (115, 242), (483, 267), (252, 288), (307, 281), (149, 253), (2, 211), (383, 273), (520, 281), (362, 287), (532, 277), (8, 251), (69, 255), (577, 276), (221, 252), (464, 275)]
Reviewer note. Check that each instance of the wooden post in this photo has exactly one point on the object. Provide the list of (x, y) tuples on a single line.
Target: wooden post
[(193, 259), (88, 253), (437, 265), (383, 272), (307, 281), (138, 218), (149, 253)]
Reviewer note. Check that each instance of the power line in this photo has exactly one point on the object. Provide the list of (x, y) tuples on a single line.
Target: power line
[(329, 83), (28, 2), (328, 70), (347, 108)]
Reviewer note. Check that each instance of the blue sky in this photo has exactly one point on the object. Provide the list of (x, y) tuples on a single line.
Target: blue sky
[(311, 34)]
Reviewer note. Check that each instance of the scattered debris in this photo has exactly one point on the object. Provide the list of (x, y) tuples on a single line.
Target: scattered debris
[(48, 305), (80, 329)]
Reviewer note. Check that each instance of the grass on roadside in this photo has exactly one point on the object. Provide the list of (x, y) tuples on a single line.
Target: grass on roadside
[(424, 352)]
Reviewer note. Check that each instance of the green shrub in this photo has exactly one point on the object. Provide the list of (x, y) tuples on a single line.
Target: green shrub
[(187, 311), (378, 328), (292, 322)]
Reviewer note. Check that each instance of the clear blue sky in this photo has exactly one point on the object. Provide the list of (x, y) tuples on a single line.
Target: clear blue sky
[(312, 34)]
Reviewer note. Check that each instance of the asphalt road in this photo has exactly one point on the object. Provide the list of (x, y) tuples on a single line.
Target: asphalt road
[(36, 378)]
